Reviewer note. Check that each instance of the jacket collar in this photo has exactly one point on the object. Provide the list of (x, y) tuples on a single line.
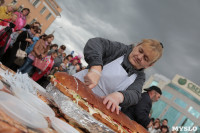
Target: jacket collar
[(148, 97)]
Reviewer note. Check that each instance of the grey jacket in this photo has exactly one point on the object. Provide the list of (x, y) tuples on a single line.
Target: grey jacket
[(71, 70), (58, 60), (99, 51)]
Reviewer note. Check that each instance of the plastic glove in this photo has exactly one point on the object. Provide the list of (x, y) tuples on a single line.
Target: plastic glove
[(93, 76)]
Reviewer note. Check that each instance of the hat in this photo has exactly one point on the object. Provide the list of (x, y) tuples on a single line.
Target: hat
[(157, 89), (76, 58)]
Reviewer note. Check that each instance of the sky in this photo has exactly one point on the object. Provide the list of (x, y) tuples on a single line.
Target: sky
[(175, 23)]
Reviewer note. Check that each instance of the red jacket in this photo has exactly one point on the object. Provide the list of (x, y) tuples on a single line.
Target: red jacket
[(6, 23)]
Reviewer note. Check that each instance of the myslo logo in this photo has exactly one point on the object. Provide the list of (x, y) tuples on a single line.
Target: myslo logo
[(184, 128)]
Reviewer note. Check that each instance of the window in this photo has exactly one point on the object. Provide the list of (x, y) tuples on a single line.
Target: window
[(154, 83), (172, 116), (198, 130), (158, 108), (193, 112), (48, 16), (20, 8), (167, 94), (180, 102), (14, 2), (34, 20), (187, 122), (36, 2), (43, 10), (182, 120)]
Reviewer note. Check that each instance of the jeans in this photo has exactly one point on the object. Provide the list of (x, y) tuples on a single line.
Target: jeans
[(27, 66)]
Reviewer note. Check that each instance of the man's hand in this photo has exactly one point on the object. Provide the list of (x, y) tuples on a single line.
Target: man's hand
[(113, 100), (93, 76)]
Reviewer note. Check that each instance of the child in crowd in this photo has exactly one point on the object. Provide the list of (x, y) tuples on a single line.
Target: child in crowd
[(78, 67), (69, 57), (65, 64), (34, 40), (49, 64), (60, 58), (72, 69), (62, 68), (155, 128), (64, 55), (164, 129), (54, 47)]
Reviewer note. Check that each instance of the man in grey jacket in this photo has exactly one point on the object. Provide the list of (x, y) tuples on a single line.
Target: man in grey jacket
[(116, 71)]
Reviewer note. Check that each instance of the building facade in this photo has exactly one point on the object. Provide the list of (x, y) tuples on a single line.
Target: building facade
[(44, 11), (180, 102)]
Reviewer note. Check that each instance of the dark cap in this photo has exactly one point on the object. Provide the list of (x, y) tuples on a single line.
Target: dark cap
[(157, 89)]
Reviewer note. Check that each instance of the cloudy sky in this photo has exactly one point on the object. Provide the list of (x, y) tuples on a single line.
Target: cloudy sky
[(176, 23)]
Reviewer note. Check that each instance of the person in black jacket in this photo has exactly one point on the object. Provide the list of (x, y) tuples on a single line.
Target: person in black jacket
[(140, 111), (23, 41), (116, 71)]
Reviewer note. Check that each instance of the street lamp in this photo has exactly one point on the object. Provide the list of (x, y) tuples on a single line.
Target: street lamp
[(55, 30)]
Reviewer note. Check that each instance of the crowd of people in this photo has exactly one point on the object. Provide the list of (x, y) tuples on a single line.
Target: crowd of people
[(159, 126), (21, 44)]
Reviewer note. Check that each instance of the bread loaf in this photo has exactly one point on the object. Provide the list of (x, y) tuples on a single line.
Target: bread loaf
[(84, 97)]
